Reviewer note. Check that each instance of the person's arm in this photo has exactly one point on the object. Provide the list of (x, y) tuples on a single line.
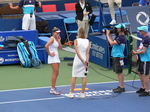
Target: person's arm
[(145, 44), (88, 52), (47, 47), (77, 51), (143, 51), (13, 7), (59, 42), (109, 37), (40, 4), (89, 9), (76, 9)]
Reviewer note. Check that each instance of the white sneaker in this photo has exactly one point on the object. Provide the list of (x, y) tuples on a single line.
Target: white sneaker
[(82, 95), (70, 95), (113, 22), (54, 91)]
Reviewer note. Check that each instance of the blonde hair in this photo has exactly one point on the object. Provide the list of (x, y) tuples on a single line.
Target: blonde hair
[(55, 29), (81, 33)]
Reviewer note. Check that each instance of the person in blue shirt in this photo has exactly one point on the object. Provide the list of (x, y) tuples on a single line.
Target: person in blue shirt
[(117, 53), (144, 64), (144, 2), (28, 21)]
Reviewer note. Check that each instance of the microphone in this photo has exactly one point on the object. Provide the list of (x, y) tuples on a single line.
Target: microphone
[(86, 70)]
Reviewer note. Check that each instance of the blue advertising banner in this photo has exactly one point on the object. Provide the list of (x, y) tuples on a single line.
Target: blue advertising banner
[(99, 50), (138, 16), (9, 57)]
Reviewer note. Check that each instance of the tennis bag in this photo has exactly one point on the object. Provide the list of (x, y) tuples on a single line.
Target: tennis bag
[(28, 54)]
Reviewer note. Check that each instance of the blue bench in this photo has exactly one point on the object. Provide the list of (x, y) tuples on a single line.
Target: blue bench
[(10, 56), (43, 40)]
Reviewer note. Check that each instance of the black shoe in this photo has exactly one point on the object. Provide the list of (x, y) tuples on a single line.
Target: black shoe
[(144, 93), (140, 90), (116, 88), (119, 90)]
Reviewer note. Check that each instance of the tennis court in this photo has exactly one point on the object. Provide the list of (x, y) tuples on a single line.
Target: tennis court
[(100, 98), (27, 90)]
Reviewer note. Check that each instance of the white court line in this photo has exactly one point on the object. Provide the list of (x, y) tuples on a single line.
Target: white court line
[(43, 99), (130, 92), (21, 101), (62, 86)]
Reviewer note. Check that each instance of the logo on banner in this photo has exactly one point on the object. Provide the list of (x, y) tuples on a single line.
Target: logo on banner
[(146, 18), (1, 39), (1, 60)]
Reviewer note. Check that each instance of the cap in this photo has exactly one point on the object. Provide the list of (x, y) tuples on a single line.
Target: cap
[(57, 31), (143, 28), (120, 25)]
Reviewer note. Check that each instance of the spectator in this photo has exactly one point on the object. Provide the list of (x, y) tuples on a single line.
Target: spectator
[(144, 2)]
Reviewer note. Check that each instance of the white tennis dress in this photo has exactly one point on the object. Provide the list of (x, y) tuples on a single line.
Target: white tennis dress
[(53, 48), (78, 69)]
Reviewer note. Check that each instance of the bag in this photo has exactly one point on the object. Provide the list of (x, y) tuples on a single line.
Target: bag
[(92, 19), (12, 41), (42, 26), (28, 55)]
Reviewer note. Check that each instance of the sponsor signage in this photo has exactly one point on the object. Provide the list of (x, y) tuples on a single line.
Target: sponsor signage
[(9, 58), (138, 16)]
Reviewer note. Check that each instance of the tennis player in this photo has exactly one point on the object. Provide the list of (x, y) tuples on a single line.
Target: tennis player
[(52, 47)]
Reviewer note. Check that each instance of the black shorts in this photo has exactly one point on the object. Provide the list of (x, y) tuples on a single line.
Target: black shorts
[(117, 67), (144, 67)]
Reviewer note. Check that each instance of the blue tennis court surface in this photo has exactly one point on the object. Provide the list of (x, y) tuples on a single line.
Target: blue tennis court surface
[(100, 98)]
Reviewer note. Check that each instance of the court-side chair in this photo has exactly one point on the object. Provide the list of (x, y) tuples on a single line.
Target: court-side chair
[(69, 6), (70, 26), (49, 8), (125, 18)]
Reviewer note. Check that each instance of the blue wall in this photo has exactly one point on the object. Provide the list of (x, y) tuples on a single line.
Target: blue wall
[(60, 4)]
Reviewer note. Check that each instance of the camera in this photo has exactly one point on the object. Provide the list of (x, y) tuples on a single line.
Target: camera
[(113, 30)]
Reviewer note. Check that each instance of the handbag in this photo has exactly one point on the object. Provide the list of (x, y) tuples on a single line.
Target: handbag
[(92, 19)]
